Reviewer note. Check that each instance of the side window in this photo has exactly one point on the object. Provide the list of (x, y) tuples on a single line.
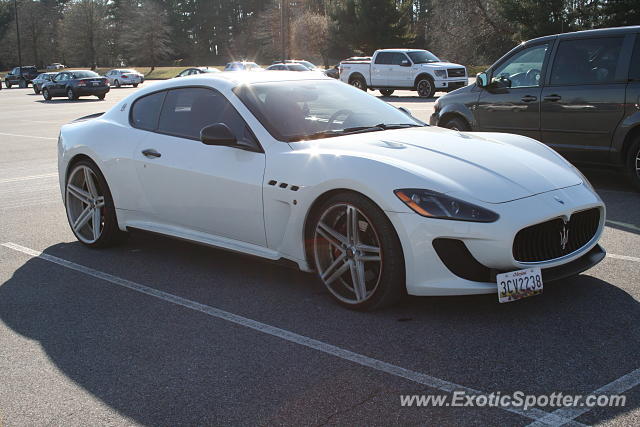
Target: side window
[(586, 61), (398, 57), (634, 68), (384, 58), (524, 68), (146, 110), (187, 110)]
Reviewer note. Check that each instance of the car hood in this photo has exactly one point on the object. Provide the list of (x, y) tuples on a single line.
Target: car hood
[(494, 168)]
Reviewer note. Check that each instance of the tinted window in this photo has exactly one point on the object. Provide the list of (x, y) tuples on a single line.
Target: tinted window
[(186, 111), (84, 74), (398, 58), (384, 58), (297, 67), (586, 61), (423, 57), (634, 70), (524, 68), (146, 110)]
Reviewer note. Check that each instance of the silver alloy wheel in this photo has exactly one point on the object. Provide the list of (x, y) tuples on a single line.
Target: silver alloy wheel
[(85, 205), (424, 87), (347, 253), (357, 83), (70, 94)]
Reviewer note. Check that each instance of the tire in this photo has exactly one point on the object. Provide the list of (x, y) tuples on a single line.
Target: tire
[(456, 123), (46, 95), (22, 84), (7, 84), (359, 83), (36, 90), (633, 163), (372, 251), (101, 97), (71, 95), (425, 87), (135, 85), (88, 199), (116, 83), (386, 92)]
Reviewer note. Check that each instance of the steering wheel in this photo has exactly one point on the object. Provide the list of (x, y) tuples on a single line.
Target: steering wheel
[(533, 76), (337, 114)]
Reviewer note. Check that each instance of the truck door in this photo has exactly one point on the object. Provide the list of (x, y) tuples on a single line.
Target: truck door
[(381, 69)]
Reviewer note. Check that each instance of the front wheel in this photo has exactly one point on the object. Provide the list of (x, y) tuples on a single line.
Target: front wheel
[(70, 95), (89, 205), (456, 123), (22, 84), (36, 90), (357, 253), (358, 83), (46, 95), (7, 84), (101, 97), (426, 88), (633, 163), (117, 83), (135, 85), (386, 92)]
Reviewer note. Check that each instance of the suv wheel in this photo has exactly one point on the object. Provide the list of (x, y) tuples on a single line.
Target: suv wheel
[(426, 88), (633, 163), (22, 84), (8, 84)]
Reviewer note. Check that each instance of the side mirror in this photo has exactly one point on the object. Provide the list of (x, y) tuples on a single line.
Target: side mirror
[(482, 80), (405, 63), (218, 134)]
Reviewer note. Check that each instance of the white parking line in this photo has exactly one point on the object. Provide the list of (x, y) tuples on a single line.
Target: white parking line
[(624, 257), (28, 136), (26, 178), (615, 387), (360, 359)]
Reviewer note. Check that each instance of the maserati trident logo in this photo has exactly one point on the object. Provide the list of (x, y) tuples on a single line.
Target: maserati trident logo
[(564, 236)]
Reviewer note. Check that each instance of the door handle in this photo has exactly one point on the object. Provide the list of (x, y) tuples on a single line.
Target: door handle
[(529, 98), (151, 153), (552, 98)]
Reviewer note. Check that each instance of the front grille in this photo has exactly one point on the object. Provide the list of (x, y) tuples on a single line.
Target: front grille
[(555, 238), (456, 85), (456, 72)]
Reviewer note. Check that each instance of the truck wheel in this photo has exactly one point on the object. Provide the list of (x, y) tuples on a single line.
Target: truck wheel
[(386, 92), (426, 88), (359, 83), (22, 84), (8, 84), (456, 123), (633, 163)]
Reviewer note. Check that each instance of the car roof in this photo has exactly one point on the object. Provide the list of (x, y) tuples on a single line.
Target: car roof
[(612, 31)]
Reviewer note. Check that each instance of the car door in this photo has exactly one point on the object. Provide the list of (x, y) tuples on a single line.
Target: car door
[(400, 75), (380, 69), (210, 189), (584, 99), (58, 86), (511, 102)]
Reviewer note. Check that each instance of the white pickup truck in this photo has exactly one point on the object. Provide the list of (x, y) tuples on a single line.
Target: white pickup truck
[(406, 69)]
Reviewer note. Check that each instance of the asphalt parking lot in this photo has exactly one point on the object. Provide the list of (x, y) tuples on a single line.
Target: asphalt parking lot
[(162, 332)]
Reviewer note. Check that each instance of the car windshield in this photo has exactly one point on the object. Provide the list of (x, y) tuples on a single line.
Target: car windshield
[(313, 109), (297, 67), (308, 64), (84, 74), (422, 57)]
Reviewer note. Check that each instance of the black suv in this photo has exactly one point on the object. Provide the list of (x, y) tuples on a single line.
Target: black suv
[(22, 79), (577, 92)]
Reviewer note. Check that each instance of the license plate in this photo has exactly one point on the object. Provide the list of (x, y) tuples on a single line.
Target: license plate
[(95, 83), (519, 284)]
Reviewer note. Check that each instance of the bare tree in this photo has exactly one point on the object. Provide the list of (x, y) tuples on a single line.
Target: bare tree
[(84, 29), (310, 36)]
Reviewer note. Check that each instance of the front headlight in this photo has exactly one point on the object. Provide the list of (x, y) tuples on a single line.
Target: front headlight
[(441, 74), (437, 205)]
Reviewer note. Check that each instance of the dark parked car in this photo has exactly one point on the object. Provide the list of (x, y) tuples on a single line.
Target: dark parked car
[(197, 70), (76, 83), (576, 92), (21, 78), (39, 81), (334, 72)]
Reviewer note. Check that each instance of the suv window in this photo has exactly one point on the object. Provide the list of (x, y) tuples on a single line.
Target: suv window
[(187, 110), (634, 69), (524, 68), (384, 58), (586, 61), (146, 110)]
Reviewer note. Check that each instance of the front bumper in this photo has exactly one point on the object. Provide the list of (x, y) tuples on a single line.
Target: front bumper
[(491, 244), (450, 84)]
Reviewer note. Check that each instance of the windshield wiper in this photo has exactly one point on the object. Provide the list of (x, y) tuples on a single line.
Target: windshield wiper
[(352, 130)]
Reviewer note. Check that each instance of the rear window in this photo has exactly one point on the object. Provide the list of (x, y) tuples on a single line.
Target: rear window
[(146, 110), (84, 74), (586, 61), (634, 70)]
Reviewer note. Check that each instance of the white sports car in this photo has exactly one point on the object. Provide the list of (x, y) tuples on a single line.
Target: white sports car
[(292, 166)]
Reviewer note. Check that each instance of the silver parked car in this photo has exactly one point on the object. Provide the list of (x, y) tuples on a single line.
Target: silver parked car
[(39, 81), (121, 77)]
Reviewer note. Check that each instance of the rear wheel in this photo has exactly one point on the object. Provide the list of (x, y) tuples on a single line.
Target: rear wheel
[(46, 95), (456, 123), (7, 83), (117, 83), (386, 92), (359, 83), (426, 88), (71, 95), (633, 163), (100, 97), (357, 253), (89, 205), (135, 85), (36, 90), (22, 84)]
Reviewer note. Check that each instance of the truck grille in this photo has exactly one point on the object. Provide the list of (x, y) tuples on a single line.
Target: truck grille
[(555, 238), (456, 72)]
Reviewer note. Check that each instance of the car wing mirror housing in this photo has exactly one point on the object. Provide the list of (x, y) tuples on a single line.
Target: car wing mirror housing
[(482, 80), (218, 134)]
